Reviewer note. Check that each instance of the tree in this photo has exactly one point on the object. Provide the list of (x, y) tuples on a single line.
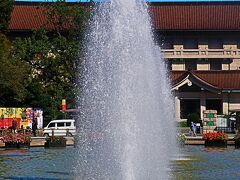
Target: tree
[(6, 7), (12, 76), (51, 58)]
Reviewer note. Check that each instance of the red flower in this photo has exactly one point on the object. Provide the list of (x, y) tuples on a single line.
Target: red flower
[(215, 136), (16, 138)]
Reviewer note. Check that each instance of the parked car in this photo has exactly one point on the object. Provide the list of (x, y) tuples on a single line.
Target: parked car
[(61, 127)]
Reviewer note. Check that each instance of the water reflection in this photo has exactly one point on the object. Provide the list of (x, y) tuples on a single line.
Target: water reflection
[(198, 162), (37, 163), (194, 162)]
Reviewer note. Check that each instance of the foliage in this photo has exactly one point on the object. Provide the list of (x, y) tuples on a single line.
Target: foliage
[(56, 139), (215, 136), (51, 57), (181, 138), (6, 7), (63, 17), (16, 138), (193, 117), (182, 124), (237, 137), (12, 76)]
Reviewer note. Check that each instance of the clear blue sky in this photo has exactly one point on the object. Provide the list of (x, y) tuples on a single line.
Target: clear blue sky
[(146, 0)]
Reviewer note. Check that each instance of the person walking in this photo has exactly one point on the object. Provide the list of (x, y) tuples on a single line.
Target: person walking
[(194, 129)]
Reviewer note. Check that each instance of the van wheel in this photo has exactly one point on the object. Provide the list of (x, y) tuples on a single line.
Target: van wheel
[(69, 134), (46, 135)]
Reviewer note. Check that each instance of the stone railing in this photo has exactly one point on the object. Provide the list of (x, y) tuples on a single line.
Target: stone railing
[(201, 53)]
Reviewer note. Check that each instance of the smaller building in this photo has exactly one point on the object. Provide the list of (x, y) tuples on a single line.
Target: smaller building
[(196, 91)]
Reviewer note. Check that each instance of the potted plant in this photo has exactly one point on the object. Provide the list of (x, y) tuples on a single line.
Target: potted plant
[(55, 141), (181, 138), (237, 140), (218, 139), (16, 140)]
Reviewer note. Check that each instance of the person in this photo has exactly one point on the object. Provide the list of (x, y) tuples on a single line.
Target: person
[(14, 124), (193, 128), (34, 126)]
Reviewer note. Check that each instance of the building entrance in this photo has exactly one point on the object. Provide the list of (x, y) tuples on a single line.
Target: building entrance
[(214, 104), (189, 106)]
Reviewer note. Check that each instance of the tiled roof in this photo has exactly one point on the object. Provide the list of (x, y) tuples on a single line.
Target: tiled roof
[(204, 16), (25, 17), (225, 80), (166, 16)]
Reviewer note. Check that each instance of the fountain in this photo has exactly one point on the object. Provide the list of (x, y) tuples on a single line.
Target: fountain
[(127, 125)]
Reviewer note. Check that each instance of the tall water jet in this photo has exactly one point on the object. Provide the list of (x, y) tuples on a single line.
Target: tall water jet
[(127, 125)]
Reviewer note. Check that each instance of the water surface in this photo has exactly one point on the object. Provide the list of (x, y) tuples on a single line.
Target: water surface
[(198, 162)]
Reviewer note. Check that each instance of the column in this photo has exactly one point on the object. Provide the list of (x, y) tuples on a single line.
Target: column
[(225, 102), (177, 106), (202, 104)]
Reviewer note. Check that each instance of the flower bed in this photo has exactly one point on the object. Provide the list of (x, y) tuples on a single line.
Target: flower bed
[(16, 140), (216, 139), (55, 141)]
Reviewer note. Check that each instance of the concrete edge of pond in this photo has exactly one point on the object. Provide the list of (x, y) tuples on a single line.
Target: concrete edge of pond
[(39, 142), (199, 141)]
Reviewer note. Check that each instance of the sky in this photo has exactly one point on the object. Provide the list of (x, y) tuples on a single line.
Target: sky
[(146, 0)]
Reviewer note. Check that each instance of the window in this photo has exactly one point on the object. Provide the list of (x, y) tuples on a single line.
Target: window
[(215, 43), (68, 124), (51, 125), (190, 44), (215, 64), (190, 64), (60, 124)]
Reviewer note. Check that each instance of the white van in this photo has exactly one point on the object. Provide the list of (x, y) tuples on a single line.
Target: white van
[(62, 127)]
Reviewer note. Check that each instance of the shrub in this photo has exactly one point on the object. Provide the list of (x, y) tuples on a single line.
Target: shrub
[(56, 139), (181, 138), (182, 124)]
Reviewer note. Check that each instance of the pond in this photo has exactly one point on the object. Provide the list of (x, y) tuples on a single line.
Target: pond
[(198, 162), (37, 163), (194, 162)]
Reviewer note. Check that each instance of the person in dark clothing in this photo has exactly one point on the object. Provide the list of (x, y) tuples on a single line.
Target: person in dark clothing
[(14, 125), (34, 127)]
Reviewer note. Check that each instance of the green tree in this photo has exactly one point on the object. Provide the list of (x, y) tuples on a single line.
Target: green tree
[(51, 57), (12, 76), (6, 7)]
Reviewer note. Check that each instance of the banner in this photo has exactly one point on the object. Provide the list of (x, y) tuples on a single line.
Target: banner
[(24, 117)]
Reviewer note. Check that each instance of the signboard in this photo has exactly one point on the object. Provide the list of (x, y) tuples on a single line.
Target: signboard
[(221, 122), (24, 117), (64, 105), (209, 123), (209, 115)]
